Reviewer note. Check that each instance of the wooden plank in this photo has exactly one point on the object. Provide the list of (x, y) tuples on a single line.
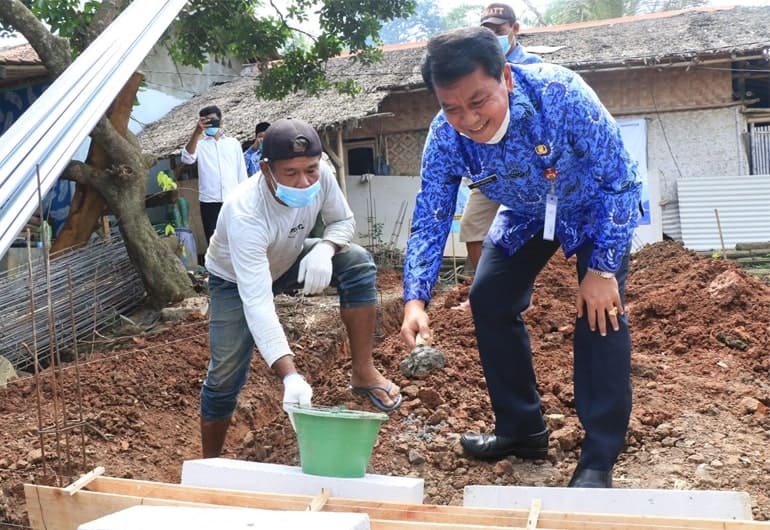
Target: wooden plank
[(534, 514), (318, 502), (83, 481), (416, 525), (51, 508), (413, 512)]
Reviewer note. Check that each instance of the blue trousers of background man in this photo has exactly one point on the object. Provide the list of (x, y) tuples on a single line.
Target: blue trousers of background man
[(501, 291)]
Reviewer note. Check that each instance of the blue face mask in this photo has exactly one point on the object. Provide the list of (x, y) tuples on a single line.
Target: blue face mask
[(295, 197), (211, 131), (504, 43)]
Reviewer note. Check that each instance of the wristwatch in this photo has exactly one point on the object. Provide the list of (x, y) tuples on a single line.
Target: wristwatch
[(602, 274)]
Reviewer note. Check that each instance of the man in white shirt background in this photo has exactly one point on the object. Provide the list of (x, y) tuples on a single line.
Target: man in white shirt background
[(261, 247), (220, 164)]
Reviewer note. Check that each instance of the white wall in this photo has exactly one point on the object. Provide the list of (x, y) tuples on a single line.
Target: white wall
[(692, 144), (184, 81), (702, 143)]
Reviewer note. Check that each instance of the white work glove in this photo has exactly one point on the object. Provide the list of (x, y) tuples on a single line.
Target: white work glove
[(315, 269), (296, 391)]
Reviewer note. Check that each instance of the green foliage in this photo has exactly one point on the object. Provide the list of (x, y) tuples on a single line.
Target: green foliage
[(217, 28), (462, 16), (427, 21), (165, 182), (67, 18), (253, 31), (290, 61), (568, 11)]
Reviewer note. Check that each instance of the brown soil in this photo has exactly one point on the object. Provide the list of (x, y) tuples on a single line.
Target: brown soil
[(701, 375)]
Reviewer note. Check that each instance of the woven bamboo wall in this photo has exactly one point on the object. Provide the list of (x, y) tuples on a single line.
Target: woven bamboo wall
[(634, 91), (405, 152)]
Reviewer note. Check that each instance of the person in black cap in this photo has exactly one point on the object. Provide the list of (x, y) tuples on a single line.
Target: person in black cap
[(501, 19), (260, 248)]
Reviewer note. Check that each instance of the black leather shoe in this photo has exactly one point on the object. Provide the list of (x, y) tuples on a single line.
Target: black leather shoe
[(590, 478), (493, 447)]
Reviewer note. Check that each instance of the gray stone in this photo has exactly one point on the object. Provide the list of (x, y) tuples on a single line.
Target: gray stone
[(7, 372), (415, 458), (749, 405), (421, 361), (696, 459)]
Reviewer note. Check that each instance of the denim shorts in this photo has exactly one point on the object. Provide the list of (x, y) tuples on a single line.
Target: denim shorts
[(354, 274)]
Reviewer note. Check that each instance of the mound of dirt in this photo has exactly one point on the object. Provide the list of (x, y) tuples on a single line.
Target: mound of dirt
[(700, 368)]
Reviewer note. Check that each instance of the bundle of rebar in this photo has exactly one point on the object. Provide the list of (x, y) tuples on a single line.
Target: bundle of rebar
[(104, 286)]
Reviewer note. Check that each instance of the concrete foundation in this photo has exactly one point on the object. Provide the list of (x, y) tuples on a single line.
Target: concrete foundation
[(275, 478), (726, 505), (169, 517)]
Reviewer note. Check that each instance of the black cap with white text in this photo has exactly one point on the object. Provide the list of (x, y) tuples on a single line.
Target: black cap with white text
[(290, 138)]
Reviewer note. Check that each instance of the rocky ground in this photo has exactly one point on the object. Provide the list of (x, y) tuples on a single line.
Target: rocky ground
[(701, 376)]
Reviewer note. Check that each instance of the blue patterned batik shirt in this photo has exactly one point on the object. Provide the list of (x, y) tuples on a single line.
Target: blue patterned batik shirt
[(557, 127), (251, 156), (518, 55)]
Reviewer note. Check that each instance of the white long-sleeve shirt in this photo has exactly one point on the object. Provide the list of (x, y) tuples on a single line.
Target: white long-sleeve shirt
[(220, 166), (258, 239)]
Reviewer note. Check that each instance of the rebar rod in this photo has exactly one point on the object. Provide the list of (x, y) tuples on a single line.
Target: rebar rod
[(51, 330), (78, 389)]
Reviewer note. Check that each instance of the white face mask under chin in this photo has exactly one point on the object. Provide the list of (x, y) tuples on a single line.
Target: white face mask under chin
[(502, 130)]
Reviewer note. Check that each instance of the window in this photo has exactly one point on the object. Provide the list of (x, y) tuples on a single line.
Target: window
[(360, 157)]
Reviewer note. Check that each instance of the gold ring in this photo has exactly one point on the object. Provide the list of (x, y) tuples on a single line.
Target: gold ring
[(613, 312)]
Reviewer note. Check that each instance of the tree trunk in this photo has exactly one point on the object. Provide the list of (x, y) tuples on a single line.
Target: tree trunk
[(88, 205), (162, 272), (123, 186)]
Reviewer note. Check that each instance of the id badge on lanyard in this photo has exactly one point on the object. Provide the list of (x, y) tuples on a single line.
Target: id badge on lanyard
[(551, 206)]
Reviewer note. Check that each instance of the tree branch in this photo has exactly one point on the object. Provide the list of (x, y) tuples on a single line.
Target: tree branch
[(107, 12), (121, 150), (538, 15), (79, 172), (53, 51), (286, 24)]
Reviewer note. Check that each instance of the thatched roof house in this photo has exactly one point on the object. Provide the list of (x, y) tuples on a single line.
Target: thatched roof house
[(652, 40), (694, 85)]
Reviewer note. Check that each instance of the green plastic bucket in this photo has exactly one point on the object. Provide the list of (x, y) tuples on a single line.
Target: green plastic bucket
[(335, 442)]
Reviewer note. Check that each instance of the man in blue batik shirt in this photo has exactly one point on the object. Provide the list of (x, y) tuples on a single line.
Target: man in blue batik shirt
[(253, 154), (479, 210), (536, 139)]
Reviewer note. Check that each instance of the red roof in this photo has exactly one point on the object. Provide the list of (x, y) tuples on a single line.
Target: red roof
[(24, 54)]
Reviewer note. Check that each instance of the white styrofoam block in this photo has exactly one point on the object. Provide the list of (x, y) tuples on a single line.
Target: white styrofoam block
[(276, 478), (725, 505), (170, 517)]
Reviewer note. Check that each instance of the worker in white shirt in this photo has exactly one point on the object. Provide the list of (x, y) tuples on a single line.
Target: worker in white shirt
[(261, 248), (220, 164)]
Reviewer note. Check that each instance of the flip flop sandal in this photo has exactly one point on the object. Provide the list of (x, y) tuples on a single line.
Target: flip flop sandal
[(368, 391)]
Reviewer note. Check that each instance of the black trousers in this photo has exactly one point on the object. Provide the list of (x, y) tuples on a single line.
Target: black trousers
[(209, 215), (501, 290)]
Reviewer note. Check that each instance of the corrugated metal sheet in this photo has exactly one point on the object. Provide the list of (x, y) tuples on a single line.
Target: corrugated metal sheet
[(743, 203), (50, 131), (670, 217), (760, 150)]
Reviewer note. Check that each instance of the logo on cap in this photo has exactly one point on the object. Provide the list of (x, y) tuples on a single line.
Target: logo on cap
[(300, 144), (494, 11)]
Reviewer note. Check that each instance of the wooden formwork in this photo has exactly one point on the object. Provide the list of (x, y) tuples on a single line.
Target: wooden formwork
[(64, 509)]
